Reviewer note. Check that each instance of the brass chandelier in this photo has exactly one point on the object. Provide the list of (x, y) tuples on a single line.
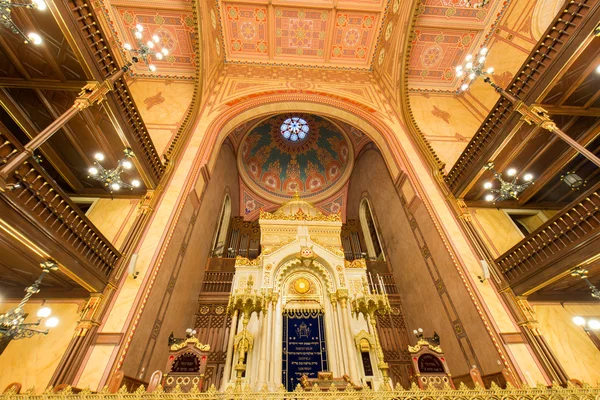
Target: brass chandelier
[(508, 189), (147, 50), (12, 323), (6, 20), (111, 178)]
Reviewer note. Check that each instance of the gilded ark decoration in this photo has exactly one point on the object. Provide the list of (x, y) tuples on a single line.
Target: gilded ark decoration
[(245, 262), (416, 348), (190, 340), (359, 263), (300, 216)]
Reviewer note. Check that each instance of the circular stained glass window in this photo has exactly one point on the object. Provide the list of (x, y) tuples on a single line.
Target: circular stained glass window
[(294, 129)]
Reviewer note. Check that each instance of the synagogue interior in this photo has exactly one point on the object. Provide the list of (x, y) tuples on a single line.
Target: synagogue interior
[(284, 199)]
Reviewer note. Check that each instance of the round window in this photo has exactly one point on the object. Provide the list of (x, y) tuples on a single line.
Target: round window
[(294, 129)]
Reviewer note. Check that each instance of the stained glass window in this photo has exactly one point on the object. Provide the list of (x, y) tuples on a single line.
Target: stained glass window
[(294, 129)]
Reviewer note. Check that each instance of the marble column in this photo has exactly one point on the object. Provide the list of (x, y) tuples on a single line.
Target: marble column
[(337, 332), (353, 371), (229, 356), (265, 333), (270, 336)]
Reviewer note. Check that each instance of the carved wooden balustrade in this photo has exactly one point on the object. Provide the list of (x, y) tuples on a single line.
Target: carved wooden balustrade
[(218, 282), (568, 238), (37, 196), (539, 392), (552, 51), (87, 33)]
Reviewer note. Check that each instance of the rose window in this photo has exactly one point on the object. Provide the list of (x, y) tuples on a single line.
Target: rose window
[(294, 129)]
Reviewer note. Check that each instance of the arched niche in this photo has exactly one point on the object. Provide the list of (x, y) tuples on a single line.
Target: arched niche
[(543, 14), (294, 265), (220, 236)]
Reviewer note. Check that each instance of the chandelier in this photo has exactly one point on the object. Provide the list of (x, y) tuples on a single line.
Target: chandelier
[(111, 178), (12, 323), (472, 68), (146, 50), (7, 22), (583, 274), (508, 189), (479, 4)]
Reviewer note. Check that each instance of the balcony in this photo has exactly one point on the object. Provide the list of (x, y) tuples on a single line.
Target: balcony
[(546, 256)]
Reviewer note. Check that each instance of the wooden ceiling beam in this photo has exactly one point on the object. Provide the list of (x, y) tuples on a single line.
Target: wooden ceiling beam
[(591, 68), (511, 204), (558, 164), (70, 135), (42, 84), (7, 49), (46, 293), (571, 110), (19, 116), (103, 194)]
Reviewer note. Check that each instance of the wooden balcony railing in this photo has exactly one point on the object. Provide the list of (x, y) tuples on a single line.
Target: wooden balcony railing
[(217, 282), (38, 196), (544, 62), (87, 30), (568, 238)]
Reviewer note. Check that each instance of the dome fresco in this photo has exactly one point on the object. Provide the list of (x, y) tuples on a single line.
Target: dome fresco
[(314, 166)]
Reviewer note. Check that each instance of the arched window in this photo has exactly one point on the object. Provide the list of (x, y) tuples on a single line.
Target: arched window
[(218, 248), (370, 234)]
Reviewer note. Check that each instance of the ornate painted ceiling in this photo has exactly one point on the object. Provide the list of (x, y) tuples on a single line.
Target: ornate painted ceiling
[(328, 33), (316, 166), (445, 32), (172, 21)]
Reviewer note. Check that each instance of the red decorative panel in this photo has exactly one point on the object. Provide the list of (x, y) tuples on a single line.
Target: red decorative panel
[(354, 35), (176, 31), (246, 30), (437, 51), (300, 33)]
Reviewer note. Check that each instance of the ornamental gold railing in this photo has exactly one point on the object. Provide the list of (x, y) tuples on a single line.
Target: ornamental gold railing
[(539, 392)]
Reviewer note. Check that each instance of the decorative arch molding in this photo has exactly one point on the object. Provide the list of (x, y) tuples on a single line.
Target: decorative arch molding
[(294, 265), (283, 101)]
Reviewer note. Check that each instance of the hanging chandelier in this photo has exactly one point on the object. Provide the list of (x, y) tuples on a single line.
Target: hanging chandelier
[(479, 4), (12, 323), (111, 178), (146, 50), (6, 20), (508, 189), (472, 68)]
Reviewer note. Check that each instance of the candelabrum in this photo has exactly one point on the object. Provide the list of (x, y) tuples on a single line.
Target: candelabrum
[(508, 189), (372, 300), (146, 50), (479, 4), (12, 323), (583, 274), (111, 178), (6, 20), (247, 301)]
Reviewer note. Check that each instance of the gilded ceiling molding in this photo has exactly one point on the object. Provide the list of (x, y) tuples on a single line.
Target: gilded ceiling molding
[(434, 162)]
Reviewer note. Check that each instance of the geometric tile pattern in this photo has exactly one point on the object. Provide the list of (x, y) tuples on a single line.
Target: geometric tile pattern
[(319, 33), (445, 32), (173, 24)]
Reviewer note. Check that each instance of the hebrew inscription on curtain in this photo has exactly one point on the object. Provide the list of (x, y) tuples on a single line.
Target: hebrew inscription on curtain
[(304, 350)]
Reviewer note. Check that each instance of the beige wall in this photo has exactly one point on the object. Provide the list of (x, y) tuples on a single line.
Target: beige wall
[(32, 361), (172, 306), (432, 292), (113, 218), (574, 349)]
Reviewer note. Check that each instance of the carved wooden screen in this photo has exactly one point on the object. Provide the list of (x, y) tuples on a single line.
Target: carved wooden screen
[(212, 325)]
